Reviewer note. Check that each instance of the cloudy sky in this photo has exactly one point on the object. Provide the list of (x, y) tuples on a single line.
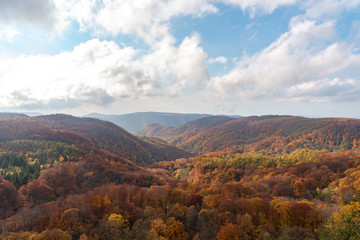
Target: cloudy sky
[(246, 57)]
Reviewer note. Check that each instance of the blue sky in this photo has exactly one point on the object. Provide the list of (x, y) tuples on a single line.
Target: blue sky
[(246, 57)]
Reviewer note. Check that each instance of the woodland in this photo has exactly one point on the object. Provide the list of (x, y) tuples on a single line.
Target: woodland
[(267, 177)]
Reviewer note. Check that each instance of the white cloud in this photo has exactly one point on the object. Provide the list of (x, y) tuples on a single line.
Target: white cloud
[(300, 57), (9, 34), (147, 19), (99, 73), (129, 16), (325, 90), (259, 6), (326, 8), (220, 59), (167, 70)]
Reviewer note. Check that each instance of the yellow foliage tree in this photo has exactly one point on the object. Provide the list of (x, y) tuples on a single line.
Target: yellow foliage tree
[(343, 225), (158, 230)]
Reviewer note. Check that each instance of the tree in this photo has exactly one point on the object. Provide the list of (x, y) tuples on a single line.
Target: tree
[(284, 211), (158, 230), (294, 233), (194, 200), (176, 231), (343, 225), (115, 226), (36, 193), (229, 232), (190, 220), (304, 215), (206, 227), (54, 234), (9, 199)]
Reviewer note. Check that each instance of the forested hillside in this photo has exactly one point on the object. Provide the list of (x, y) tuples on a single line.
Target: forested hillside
[(303, 195), (180, 134), (85, 132), (273, 134), (22, 160), (274, 177), (12, 115)]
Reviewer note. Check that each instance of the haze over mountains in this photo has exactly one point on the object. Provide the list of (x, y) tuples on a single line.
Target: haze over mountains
[(202, 135), (133, 122)]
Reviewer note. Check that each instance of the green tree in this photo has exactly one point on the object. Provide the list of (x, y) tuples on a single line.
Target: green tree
[(343, 225)]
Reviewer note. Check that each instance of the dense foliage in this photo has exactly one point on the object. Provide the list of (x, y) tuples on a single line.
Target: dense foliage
[(241, 192), (85, 133), (270, 134), (22, 160)]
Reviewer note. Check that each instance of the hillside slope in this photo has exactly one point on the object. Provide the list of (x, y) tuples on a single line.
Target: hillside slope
[(56, 182), (6, 115), (268, 133), (85, 132), (180, 134)]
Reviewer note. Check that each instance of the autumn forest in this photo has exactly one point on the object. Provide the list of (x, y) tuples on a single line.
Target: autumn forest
[(217, 177)]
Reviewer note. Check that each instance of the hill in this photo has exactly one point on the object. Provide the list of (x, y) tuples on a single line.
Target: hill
[(6, 115), (180, 134), (133, 122), (273, 134), (64, 177), (86, 133)]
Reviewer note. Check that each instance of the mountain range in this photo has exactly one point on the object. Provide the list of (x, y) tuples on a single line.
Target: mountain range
[(133, 122), (87, 132), (214, 177), (275, 133)]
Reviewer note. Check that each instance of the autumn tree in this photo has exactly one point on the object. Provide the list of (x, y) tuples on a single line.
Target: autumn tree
[(9, 199), (54, 234), (206, 226), (158, 230), (176, 231), (115, 226), (343, 225), (190, 220), (229, 232)]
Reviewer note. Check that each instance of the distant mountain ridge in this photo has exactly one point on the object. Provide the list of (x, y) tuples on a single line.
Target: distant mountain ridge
[(177, 135), (272, 133), (133, 122), (66, 177), (9, 115), (88, 133)]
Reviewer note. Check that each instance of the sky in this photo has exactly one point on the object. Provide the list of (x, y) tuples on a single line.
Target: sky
[(244, 57)]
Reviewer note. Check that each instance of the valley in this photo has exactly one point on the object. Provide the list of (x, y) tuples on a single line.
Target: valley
[(214, 177)]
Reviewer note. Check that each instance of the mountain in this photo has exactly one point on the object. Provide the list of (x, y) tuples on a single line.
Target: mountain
[(40, 174), (274, 177), (86, 133), (5, 115), (133, 122), (180, 134), (268, 133)]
